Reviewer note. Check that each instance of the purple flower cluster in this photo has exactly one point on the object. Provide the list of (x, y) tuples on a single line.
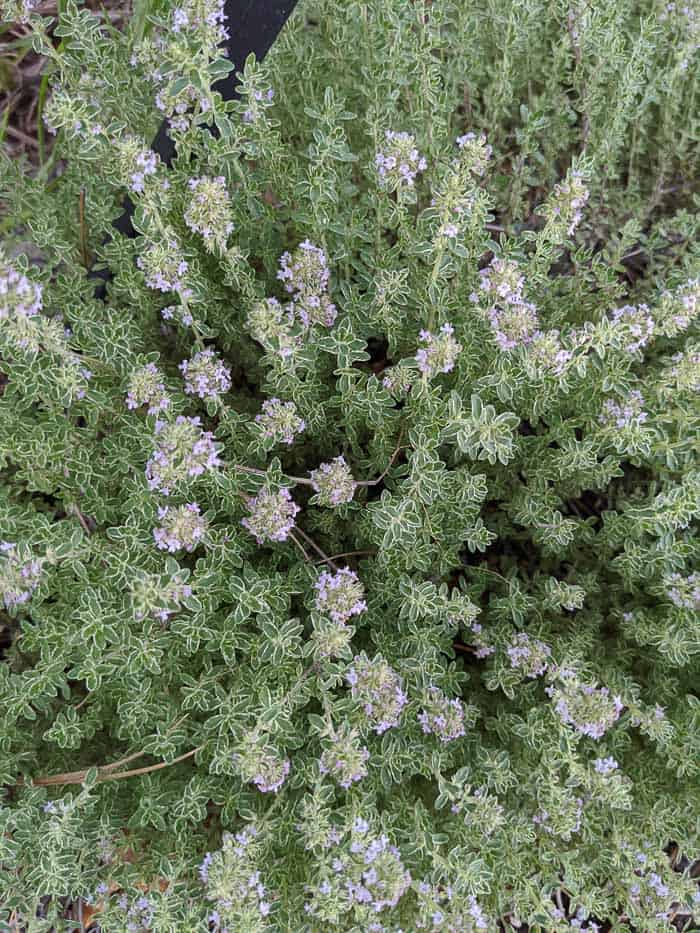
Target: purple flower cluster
[(165, 267), (178, 313), (589, 709), (577, 922), (678, 308), (368, 875), (209, 211), (340, 595), (345, 759), (20, 575), (474, 152), (279, 421), (140, 912), (379, 689), (271, 515), (306, 277), (20, 303), (183, 451), (333, 483), (397, 381), (195, 16), (439, 352), (234, 885), (685, 372), (545, 352), (136, 161), (399, 162), (182, 528), (513, 320), (684, 592), (259, 100), (206, 375), (563, 209), (262, 767), (441, 716), (633, 327), (628, 414), (146, 387), (605, 766), (442, 908), (18, 296), (529, 655)]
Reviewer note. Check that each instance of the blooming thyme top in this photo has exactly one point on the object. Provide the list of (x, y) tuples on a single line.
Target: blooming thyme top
[(20, 575), (563, 209), (368, 876), (209, 211), (183, 451), (442, 716), (146, 387), (678, 307), (20, 301), (684, 592), (529, 655), (605, 766), (306, 276), (206, 375), (439, 353), (513, 319), (340, 595), (626, 414), (634, 327), (165, 267), (589, 709), (271, 515), (333, 482), (201, 18), (279, 421), (135, 161), (399, 162), (233, 884), (182, 529), (345, 759), (379, 689), (261, 766), (474, 152)]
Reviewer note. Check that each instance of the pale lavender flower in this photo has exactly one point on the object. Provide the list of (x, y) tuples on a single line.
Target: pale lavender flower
[(275, 327), (439, 352), (271, 515), (209, 211), (20, 574), (634, 327), (206, 375), (589, 709), (399, 162), (605, 766), (514, 325), (165, 267), (183, 451), (306, 277), (529, 655), (474, 152), (628, 414), (146, 387), (183, 527), (333, 482), (379, 689), (279, 421), (442, 716), (340, 595), (684, 592), (345, 760), (678, 308)]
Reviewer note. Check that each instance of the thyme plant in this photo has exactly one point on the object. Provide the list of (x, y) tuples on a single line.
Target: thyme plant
[(349, 559)]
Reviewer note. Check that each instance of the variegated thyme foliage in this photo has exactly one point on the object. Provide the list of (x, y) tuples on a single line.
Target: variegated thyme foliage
[(348, 548)]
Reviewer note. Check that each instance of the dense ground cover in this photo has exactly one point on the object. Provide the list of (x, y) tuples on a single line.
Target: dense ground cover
[(349, 553)]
